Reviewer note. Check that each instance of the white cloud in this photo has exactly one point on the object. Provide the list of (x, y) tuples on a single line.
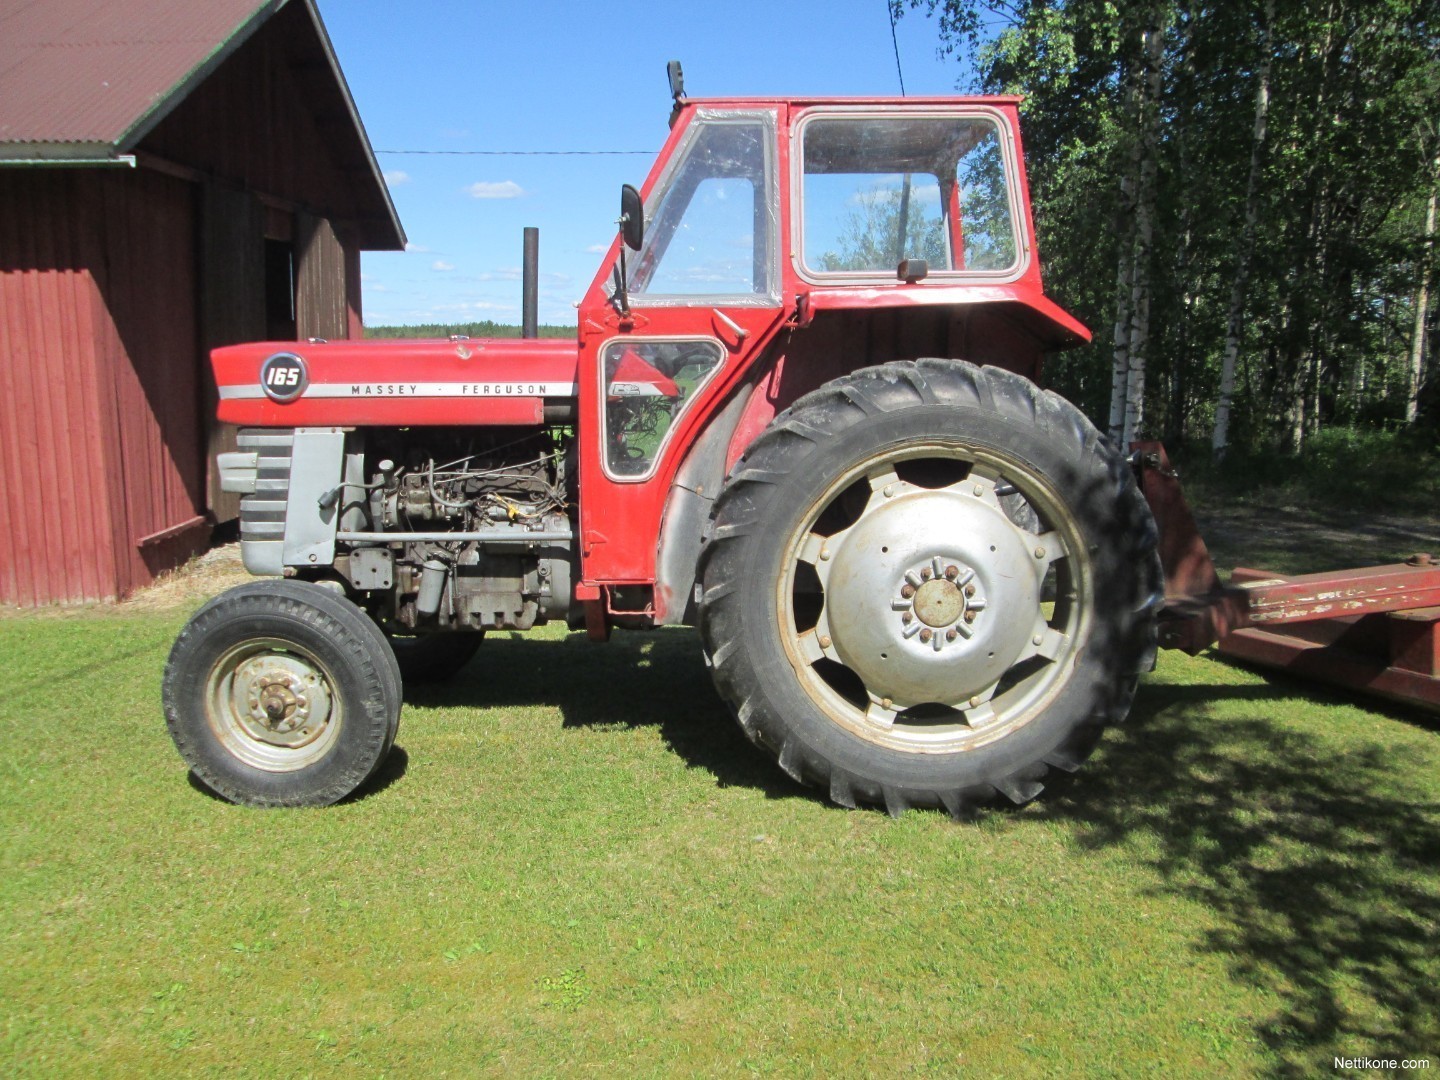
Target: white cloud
[(396, 177), (442, 265), (597, 249), (471, 305), (504, 273), (419, 249), (501, 189)]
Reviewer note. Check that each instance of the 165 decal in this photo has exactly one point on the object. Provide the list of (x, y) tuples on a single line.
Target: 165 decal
[(283, 377)]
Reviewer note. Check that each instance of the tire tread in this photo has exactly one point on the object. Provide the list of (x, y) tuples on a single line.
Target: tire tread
[(785, 449)]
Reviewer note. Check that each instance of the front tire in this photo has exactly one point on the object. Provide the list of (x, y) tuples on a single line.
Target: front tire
[(929, 584), (282, 693)]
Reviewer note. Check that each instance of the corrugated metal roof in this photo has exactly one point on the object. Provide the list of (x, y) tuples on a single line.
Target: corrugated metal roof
[(90, 72), (84, 81)]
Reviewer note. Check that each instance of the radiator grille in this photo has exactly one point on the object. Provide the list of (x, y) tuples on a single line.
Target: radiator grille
[(262, 515)]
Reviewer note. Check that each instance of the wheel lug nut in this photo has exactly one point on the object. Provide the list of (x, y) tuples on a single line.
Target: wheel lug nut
[(969, 616), (951, 634), (907, 591), (952, 572), (907, 618), (824, 641), (927, 574), (969, 590), (925, 636)]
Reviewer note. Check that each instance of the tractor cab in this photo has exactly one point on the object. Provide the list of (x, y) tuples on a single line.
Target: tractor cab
[(766, 230)]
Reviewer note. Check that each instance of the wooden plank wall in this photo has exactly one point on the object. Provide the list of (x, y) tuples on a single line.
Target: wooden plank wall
[(149, 352), (320, 294), (55, 516), (102, 462), (232, 310)]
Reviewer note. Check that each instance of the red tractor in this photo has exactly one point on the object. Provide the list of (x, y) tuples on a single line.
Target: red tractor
[(801, 412)]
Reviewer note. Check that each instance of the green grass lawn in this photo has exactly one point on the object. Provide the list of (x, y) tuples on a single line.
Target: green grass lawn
[(574, 865)]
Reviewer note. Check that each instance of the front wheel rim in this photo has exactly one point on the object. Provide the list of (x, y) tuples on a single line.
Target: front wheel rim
[(915, 600), (273, 705)]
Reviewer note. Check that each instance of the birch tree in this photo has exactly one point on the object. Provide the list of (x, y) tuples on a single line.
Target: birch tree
[(1422, 304), (1234, 320)]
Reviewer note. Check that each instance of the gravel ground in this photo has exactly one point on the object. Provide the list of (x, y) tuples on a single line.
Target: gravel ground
[(1296, 540)]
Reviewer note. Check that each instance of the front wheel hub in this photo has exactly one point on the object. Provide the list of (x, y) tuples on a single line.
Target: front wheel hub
[(272, 706), (280, 700), (932, 597)]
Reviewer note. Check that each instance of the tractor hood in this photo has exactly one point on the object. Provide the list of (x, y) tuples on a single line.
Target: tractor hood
[(404, 383)]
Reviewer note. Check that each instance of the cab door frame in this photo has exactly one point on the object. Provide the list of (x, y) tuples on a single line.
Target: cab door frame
[(620, 517)]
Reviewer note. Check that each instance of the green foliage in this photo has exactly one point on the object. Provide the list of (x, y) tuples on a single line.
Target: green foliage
[(1340, 470), (869, 237), (1346, 168), (483, 329)]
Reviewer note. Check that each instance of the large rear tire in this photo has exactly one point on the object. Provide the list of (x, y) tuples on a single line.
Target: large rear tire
[(282, 693), (929, 584)]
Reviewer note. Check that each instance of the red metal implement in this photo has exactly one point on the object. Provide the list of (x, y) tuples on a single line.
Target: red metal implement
[(1375, 629)]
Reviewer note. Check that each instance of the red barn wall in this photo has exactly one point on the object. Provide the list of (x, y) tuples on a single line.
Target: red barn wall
[(115, 283), (101, 452)]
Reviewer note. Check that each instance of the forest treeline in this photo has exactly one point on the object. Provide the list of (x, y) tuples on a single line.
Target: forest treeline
[(1238, 199), (483, 329)]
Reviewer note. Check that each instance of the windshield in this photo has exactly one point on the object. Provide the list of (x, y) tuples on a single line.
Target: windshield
[(881, 188), (710, 222)]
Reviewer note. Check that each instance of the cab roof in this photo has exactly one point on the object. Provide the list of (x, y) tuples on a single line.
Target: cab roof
[(930, 101)]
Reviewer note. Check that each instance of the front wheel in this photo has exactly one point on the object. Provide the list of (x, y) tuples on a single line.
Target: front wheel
[(282, 693), (928, 584)]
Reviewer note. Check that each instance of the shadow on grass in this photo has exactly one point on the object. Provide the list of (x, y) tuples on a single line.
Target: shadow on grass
[(654, 679), (391, 769), (1325, 883), (395, 765)]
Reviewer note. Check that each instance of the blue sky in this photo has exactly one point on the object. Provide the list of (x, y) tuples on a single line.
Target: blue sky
[(454, 75)]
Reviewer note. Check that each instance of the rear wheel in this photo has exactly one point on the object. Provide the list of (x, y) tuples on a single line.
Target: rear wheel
[(282, 693), (929, 583)]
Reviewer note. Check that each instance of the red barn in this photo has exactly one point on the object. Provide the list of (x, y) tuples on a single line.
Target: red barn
[(174, 175)]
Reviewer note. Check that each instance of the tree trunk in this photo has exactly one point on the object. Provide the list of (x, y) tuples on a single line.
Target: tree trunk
[(1180, 356), (1422, 306), (1125, 268), (1149, 114), (1234, 321)]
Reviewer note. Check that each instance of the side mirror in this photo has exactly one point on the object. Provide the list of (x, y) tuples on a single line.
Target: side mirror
[(632, 218)]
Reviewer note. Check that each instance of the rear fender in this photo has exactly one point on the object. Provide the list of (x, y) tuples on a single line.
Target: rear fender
[(831, 344), (687, 513)]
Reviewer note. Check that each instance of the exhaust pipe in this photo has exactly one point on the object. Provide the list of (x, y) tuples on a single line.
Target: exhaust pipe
[(530, 275)]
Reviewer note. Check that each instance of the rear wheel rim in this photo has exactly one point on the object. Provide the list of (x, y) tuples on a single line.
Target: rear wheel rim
[(914, 603), (273, 705)]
